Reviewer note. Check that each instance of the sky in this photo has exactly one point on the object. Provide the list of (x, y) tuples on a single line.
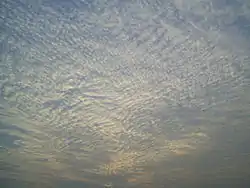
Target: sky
[(125, 93)]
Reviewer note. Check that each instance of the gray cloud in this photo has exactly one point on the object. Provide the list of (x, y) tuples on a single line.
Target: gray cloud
[(139, 92)]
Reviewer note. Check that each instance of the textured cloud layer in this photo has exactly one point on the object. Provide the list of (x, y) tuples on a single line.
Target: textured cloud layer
[(101, 91)]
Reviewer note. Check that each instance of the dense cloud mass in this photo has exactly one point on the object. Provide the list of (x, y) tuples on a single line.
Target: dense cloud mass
[(144, 93)]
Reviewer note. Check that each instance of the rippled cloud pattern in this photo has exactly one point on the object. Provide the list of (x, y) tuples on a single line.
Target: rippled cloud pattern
[(124, 93)]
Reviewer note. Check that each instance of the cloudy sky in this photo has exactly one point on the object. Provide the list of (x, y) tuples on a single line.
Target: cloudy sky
[(135, 93)]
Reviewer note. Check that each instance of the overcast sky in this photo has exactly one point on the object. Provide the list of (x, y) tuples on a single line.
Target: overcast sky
[(127, 93)]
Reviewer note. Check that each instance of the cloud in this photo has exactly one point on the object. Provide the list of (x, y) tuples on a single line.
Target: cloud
[(110, 88)]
